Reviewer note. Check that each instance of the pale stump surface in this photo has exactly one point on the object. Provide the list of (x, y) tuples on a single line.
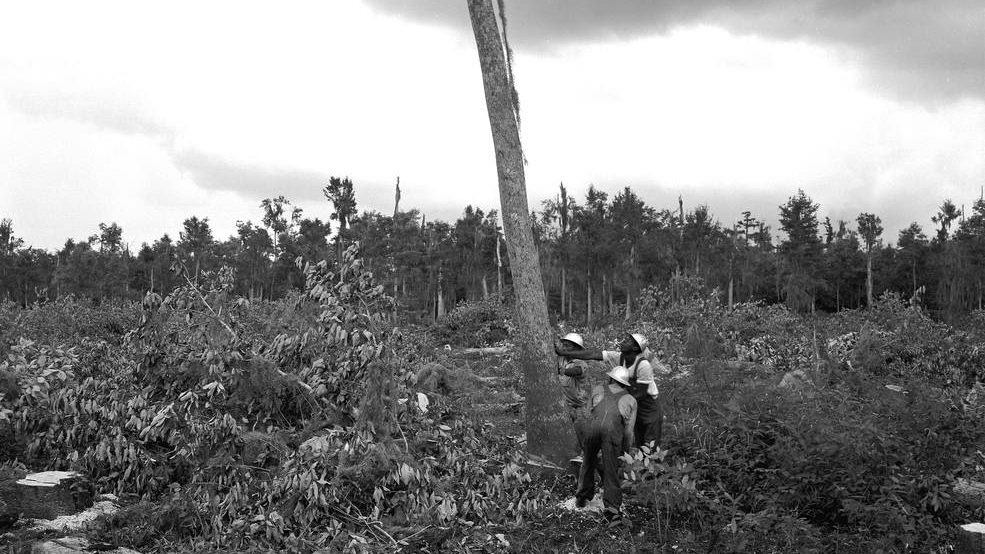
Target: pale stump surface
[(46, 495), (971, 539)]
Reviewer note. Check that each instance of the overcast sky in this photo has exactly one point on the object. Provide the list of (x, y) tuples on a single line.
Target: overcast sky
[(146, 114)]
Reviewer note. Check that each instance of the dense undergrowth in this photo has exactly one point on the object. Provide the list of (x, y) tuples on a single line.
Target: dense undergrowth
[(315, 423)]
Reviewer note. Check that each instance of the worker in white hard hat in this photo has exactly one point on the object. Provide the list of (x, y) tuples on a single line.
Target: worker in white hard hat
[(608, 430), (572, 374), (633, 355)]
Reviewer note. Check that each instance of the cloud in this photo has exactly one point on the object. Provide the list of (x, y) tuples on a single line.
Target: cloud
[(207, 170), (913, 50), (94, 118), (114, 114), (252, 180)]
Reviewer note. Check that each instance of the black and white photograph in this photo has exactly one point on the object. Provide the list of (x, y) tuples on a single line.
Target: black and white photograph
[(492, 276)]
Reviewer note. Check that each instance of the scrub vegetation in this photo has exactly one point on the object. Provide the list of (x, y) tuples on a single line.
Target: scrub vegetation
[(320, 422)]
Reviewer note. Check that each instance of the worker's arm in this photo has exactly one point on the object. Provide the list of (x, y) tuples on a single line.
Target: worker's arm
[(576, 353), (627, 408)]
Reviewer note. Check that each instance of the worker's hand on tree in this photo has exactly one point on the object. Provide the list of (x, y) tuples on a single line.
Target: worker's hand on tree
[(563, 347)]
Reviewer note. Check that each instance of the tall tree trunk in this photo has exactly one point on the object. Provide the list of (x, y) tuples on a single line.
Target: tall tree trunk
[(564, 288), (610, 302), (499, 267), (396, 201), (571, 304), (439, 300), (549, 435), (603, 302), (914, 266), (629, 303), (868, 280), (588, 298)]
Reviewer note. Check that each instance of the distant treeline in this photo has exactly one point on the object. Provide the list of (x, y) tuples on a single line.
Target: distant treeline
[(597, 256)]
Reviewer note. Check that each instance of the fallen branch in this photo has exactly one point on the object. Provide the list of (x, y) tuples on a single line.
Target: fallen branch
[(488, 351)]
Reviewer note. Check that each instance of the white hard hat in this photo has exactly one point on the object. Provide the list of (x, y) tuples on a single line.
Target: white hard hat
[(574, 338), (640, 340), (619, 373)]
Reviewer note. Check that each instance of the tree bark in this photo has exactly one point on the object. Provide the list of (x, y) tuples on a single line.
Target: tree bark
[(499, 267), (612, 293), (868, 280), (440, 298), (588, 298), (603, 303), (564, 290), (549, 434), (571, 305), (629, 304), (914, 266)]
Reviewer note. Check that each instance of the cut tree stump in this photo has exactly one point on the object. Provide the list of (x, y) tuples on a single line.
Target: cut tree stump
[(48, 495), (971, 539)]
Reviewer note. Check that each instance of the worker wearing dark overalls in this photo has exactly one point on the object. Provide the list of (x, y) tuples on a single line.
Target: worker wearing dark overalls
[(607, 430)]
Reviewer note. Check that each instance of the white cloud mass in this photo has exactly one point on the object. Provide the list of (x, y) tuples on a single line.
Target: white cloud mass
[(146, 116)]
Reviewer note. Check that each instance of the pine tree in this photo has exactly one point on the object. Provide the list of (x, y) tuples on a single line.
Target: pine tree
[(801, 252)]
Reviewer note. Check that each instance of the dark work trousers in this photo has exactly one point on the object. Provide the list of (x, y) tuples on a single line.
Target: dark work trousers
[(575, 397), (578, 420), (649, 416), (649, 420), (603, 434)]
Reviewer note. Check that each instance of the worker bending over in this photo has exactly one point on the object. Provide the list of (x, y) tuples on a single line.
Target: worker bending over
[(608, 430)]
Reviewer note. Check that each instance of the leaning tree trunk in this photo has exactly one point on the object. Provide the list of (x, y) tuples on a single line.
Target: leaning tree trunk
[(549, 434)]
